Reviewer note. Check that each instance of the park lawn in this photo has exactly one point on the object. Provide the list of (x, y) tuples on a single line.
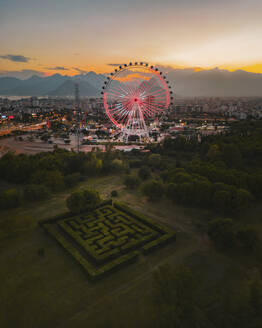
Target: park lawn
[(39, 291), (53, 291), (56, 204)]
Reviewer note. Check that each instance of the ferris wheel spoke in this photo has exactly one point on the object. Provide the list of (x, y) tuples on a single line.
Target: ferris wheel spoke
[(117, 92), (130, 100), (151, 86), (154, 108), (119, 112), (117, 89), (125, 118), (126, 88), (160, 92), (156, 104), (148, 109), (113, 94), (155, 100), (121, 88), (130, 89), (148, 112), (161, 103), (146, 85)]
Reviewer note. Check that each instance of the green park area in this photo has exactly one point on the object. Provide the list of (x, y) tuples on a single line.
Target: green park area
[(179, 246), (107, 238)]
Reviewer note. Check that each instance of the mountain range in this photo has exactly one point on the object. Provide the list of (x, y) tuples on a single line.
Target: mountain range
[(184, 82)]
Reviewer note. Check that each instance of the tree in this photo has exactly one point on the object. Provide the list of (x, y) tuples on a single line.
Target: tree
[(92, 166), (202, 193), (255, 295), (248, 238), (144, 173), (185, 191), (214, 154), (242, 200), (153, 189), (114, 193), (82, 201), (175, 297), (232, 155), (10, 198), (35, 192), (131, 182), (222, 201), (171, 191), (181, 177), (221, 232), (117, 165), (54, 180), (71, 180), (154, 161)]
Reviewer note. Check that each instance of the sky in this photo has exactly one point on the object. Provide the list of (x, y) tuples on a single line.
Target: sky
[(74, 36)]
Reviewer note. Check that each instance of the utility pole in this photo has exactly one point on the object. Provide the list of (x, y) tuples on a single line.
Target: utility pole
[(78, 111)]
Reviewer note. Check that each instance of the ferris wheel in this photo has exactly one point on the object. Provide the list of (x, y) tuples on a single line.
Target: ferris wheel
[(133, 95)]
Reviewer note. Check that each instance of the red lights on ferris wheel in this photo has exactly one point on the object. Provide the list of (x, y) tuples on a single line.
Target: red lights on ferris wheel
[(135, 93)]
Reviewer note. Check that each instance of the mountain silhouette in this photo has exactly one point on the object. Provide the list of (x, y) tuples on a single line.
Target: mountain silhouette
[(184, 82)]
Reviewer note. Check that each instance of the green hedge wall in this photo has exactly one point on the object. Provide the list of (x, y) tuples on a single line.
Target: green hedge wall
[(93, 272)]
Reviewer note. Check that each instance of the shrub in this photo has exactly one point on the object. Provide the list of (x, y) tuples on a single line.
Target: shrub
[(51, 179), (221, 232), (171, 191), (248, 238), (222, 201), (131, 182), (35, 192), (41, 252), (135, 163), (54, 180), (117, 165), (144, 173), (71, 180), (153, 190), (92, 271), (81, 201), (242, 200), (10, 198), (154, 160), (114, 193)]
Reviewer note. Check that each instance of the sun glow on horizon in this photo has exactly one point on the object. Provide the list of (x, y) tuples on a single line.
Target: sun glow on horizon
[(105, 69)]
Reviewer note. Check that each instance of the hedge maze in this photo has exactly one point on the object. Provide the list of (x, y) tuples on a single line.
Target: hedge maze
[(107, 238)]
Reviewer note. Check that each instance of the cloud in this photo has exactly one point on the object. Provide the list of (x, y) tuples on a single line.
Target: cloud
[(132, 77), (81, 71), (115, 65), (16, 58), (57, 68), (23, 74)]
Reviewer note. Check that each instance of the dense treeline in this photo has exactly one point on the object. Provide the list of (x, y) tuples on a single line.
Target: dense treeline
[(222, 172), (35, 177), (180, 301)]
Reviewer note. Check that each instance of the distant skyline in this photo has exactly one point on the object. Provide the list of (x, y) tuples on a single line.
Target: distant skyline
[(73, 37)]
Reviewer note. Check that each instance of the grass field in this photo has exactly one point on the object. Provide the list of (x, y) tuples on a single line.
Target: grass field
[(52, 291)]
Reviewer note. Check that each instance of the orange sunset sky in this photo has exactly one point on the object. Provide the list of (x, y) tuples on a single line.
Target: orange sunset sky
[(70, 37)]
